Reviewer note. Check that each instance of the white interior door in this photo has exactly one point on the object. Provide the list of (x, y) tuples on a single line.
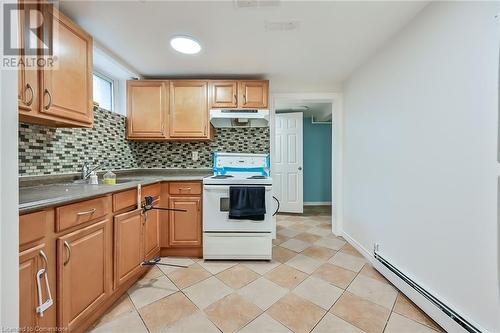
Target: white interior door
[(288, 161)]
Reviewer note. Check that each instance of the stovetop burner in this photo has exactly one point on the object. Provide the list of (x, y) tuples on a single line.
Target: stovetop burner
[(257, 177), (222, 176)]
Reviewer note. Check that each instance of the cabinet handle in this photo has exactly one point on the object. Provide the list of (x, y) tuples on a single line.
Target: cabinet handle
[(46, 92), (66, 245), (244, 98), (185, 189), (43, 273), (32, 96), (45, 260), (92, 211), (235, 99)]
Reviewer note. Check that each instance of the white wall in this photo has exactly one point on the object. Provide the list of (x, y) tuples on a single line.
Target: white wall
[(420, 155)]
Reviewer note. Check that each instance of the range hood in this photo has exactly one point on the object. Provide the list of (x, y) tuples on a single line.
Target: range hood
[(239, 118)]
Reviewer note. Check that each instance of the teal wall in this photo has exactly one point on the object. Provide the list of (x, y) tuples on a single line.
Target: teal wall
[(317, 162)]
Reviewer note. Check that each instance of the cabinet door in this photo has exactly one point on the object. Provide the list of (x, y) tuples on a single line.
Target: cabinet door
[(253, 94), (189, 109), (84, 272), (128, 243), (147, 109), (223, 94), (151, 233), (67, 89), (30, 262), (185, 227), (28, 86)]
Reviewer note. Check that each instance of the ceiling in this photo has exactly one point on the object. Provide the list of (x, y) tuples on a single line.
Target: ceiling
[(300, 46)]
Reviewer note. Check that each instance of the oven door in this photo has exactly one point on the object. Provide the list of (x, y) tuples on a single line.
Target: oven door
[(216, 212)]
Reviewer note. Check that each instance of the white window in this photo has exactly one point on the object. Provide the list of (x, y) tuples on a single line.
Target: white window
[(103, 91)]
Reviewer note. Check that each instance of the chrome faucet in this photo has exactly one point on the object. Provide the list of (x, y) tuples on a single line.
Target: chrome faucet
[(87, 170)]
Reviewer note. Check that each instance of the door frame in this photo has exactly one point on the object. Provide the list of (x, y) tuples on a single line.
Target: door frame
[(9, 201), (336, 99)]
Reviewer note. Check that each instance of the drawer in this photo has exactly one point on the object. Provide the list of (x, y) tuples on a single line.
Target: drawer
[(184, 188), (32, 226), (125, 199), (228, 246), (151, 190), (74, 214)]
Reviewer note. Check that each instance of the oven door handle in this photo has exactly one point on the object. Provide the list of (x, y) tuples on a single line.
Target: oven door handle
[(213, 187), (277, 208)]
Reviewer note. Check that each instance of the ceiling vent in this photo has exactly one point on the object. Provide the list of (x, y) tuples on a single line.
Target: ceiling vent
[(282, 26)]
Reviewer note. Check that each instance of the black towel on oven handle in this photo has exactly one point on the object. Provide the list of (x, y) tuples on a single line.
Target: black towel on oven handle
[(247, 202)]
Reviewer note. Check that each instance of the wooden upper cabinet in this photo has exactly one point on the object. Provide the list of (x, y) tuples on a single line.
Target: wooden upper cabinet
[(61, 95), (253, 94), (28, 82), (189, 110), (147, 109), (84, 272), (67, 89), (223, 94), (184, 228)]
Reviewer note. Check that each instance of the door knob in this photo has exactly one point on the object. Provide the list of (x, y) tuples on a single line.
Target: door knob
[(300, 168)]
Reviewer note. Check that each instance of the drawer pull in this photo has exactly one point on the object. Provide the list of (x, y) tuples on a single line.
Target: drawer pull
[(66, 245), (88, 212), (185, 189)]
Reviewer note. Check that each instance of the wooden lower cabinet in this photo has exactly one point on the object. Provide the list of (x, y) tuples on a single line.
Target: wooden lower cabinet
[(128, 245), (184, 228), (151, 234), (84, 260), (31, 261), (91, 264)]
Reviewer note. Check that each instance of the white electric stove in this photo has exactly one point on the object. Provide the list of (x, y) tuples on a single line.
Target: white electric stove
[(225, 238)]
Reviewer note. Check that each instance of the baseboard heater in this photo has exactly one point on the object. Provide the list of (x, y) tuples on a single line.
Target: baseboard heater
[(443, 307)]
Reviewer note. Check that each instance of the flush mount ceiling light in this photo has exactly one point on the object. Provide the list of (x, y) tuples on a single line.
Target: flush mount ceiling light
[(185, 44)]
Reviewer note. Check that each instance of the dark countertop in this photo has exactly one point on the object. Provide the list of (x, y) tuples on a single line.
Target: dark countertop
[(39, 192)]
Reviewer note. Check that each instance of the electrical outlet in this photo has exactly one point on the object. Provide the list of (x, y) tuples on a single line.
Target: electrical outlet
[(195, 156)]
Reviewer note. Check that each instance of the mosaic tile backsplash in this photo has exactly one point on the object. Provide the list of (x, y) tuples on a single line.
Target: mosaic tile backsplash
[(45, 150)]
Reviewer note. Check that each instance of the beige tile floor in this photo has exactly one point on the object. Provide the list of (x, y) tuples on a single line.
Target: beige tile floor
[(316, 283)]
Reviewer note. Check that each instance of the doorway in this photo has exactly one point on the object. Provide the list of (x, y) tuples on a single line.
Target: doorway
[(306, 151)]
